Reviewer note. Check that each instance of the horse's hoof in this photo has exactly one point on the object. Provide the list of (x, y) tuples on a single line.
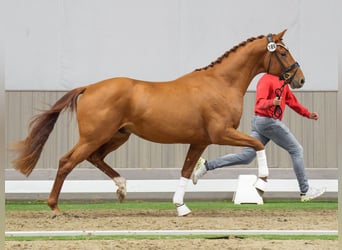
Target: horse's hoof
[(183, 210), (56, 214), (121, 195)]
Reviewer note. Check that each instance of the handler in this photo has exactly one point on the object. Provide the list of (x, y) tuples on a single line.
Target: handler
[(271, 96)]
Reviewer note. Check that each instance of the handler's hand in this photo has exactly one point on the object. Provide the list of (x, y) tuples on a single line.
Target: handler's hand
[(314, 116), (276, 101)]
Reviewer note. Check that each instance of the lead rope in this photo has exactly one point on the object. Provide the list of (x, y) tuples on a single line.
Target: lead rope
[(277, 112)]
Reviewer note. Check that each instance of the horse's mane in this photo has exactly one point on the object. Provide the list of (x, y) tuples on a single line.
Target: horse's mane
[(226, 54)]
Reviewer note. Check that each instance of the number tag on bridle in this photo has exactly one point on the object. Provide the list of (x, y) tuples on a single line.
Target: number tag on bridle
[(271, 46)]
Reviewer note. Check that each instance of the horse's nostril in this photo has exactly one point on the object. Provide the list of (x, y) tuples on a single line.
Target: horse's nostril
[(302, 81)]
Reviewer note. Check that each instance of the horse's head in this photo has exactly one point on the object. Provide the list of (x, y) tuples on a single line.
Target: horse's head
[(280, 62)]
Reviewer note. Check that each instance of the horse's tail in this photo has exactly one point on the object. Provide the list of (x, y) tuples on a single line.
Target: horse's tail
[(29, 149)]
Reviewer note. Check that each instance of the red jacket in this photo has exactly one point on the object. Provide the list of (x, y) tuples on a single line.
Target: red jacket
[(265, 95)]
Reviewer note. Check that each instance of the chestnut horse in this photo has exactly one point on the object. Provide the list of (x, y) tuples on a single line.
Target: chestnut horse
[(200, 108)]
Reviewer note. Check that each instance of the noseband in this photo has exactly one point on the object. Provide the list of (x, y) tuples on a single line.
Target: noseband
[(272, 47)]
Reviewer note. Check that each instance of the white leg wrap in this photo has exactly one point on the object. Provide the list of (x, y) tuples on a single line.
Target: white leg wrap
[(260, 184), (180, 191), (178, 197), (262, 163), (183, 210)]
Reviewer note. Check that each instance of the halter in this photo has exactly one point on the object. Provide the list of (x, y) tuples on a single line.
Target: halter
[(272, 47)]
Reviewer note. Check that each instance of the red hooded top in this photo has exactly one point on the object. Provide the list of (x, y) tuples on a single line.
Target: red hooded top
[(265, 95)]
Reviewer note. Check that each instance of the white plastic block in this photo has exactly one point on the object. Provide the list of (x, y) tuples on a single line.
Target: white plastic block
[(246, 192)]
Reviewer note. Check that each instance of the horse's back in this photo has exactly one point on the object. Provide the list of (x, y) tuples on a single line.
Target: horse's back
[(157, 111)]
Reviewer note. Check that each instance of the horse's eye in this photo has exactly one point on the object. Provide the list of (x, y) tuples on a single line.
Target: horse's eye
[(283, 54)]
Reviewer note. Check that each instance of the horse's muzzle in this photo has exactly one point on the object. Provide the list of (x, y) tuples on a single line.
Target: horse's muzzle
[(296, 84)]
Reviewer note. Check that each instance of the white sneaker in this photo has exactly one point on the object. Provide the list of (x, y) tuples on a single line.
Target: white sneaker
[(312, 193), (199, 170)]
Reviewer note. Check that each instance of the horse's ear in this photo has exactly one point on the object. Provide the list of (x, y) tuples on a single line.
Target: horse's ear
[(280, 35)]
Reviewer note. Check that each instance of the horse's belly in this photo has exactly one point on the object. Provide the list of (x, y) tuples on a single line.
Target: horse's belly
[(169, 133)]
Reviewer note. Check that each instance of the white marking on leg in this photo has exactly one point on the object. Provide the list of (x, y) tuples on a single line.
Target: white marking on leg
[(121, 191)]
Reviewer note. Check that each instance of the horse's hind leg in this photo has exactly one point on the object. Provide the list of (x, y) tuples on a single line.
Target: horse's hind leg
[(66, 164), (97, 159), (192, 156)]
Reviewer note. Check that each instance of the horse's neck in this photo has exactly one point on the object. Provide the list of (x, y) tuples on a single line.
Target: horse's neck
[(242, 66)]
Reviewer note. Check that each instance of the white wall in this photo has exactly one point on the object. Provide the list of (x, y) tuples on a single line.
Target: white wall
[(61, 44)]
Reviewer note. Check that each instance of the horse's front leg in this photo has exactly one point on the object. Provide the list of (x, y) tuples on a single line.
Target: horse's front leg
[(194, 152), (236, 138)]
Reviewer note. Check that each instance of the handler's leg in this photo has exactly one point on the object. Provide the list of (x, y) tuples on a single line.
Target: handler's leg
[(283, 137)]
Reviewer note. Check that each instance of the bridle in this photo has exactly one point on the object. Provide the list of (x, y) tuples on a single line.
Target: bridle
[(272, 47)]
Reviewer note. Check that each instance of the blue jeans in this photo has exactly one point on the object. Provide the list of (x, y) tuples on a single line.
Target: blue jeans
[(266, 129)]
